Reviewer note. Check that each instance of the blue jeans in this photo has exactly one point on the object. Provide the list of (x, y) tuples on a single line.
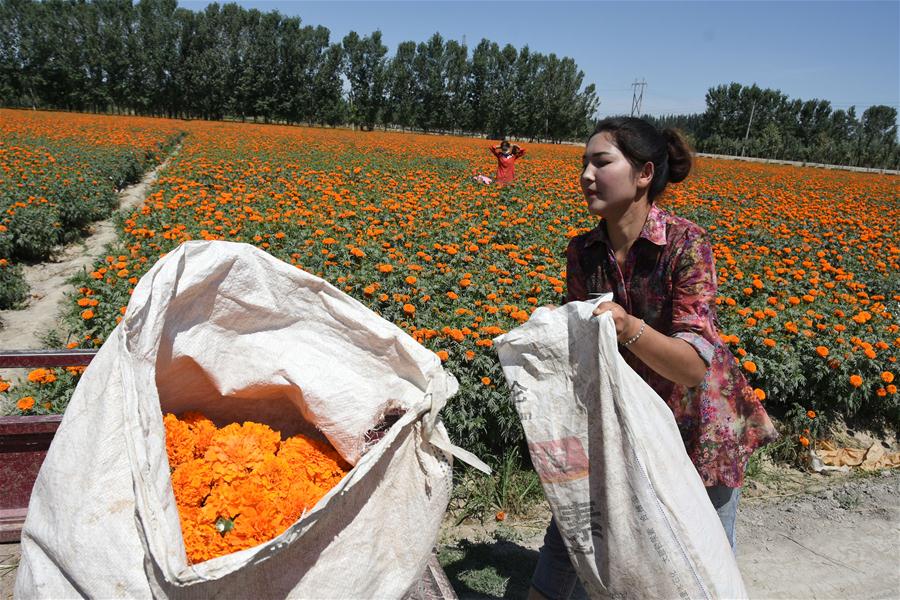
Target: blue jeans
[(555, 578)]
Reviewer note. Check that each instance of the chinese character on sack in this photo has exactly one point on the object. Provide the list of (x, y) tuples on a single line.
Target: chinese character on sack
[(580, 522)]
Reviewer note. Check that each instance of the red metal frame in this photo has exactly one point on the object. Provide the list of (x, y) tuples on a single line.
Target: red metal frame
[(14, 359), (24, 441)]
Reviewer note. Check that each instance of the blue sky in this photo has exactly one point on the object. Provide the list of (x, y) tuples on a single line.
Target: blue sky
[(845, 52)]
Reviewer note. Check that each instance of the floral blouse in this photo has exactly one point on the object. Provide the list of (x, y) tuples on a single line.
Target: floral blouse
[(669, 280)]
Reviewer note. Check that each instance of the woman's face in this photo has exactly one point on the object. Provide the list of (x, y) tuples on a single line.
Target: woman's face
[(609, 181)]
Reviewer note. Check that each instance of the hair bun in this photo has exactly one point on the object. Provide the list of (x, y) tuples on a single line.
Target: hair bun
[(679, 155)]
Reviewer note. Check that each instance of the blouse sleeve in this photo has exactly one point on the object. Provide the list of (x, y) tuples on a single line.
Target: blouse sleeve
[(520, 153), (576, 282), (494, 151), (694, 296)]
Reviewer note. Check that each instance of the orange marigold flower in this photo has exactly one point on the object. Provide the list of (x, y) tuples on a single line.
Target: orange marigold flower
[(750, 366), (760, 394), (410, 280), (804, 440), (385, 268), (887, 377), (769, 342), (500, 516), (4, 385), (811, 414), (443, 355), (486, 381), (26, 403), (87, 314), (42, 376), (856, 380), (246, 486), (822, 351), (409, 309)]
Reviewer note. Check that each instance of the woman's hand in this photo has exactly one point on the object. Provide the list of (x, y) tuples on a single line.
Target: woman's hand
[(627, 326), (671, 357)]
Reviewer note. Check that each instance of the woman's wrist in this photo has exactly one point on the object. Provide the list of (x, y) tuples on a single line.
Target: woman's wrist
[(633, 332)]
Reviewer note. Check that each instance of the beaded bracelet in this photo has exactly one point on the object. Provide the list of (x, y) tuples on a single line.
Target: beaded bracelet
[(635, 338)]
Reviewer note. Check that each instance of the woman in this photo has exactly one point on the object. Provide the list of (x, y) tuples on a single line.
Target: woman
[(660, 270), (506, 161)]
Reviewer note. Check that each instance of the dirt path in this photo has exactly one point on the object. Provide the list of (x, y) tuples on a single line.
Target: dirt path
[(22, 329), (837, 542), (835, 538)]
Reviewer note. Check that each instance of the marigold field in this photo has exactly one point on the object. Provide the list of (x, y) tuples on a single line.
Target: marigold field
[(58, 173), (807, 259)]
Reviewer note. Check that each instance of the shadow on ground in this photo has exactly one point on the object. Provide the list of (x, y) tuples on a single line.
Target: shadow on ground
[(482, 570)]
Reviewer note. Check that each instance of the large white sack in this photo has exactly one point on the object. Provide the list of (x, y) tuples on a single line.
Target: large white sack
[(632, 510), (228, 330)]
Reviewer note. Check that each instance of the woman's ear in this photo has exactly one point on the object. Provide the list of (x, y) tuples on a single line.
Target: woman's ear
[(645, 175)]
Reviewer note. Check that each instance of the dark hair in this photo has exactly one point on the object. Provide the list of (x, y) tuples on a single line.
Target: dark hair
[(504, 143), (641, 143)]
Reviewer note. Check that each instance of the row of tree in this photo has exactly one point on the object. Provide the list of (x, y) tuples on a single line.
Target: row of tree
[(752, 121), (155, 58)]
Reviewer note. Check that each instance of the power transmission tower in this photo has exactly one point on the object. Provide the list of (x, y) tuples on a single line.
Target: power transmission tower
[(637, 97)]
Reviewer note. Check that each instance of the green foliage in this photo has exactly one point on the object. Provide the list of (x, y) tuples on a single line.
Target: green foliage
[(488, 570), (750, 121), (826, 352), (152, 57), (513, 489), (35, 230), (13, 288), (51, 395), (64, 186), (365, 69)]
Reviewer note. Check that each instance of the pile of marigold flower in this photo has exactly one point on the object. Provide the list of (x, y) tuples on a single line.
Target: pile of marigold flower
[(242, 485)]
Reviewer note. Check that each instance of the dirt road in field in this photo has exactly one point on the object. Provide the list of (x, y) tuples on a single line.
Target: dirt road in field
[(800, 536), (836, 537), (22, 329)]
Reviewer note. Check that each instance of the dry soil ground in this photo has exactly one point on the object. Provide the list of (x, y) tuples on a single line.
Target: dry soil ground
[(799, 536), (802, 536)]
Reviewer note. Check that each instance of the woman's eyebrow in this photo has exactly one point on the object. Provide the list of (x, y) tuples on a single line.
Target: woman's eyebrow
[(596, 154)]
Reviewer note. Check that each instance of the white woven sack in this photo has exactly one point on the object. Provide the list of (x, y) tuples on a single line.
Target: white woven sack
[(631, 508), (228, 330)]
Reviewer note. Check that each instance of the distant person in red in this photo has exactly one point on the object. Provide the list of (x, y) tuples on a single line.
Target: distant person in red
[(506, 161)]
